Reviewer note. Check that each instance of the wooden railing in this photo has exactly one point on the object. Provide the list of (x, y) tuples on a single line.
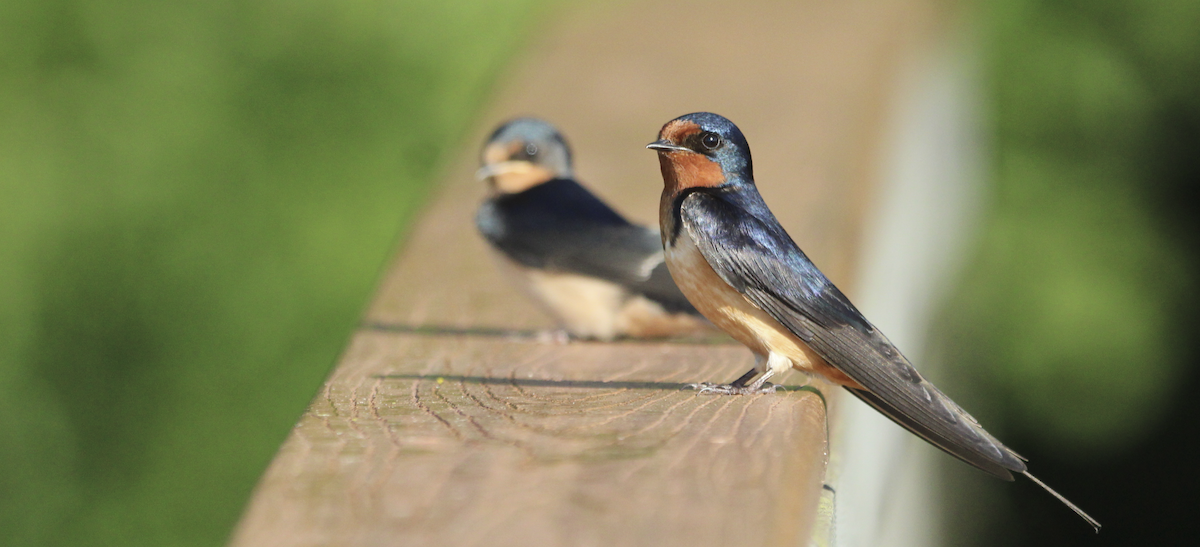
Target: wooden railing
[(448, 422)]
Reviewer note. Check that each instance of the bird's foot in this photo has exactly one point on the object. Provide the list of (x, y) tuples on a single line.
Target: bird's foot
[(557, 337), (706, 388)]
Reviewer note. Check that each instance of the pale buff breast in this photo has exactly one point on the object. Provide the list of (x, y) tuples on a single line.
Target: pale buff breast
[(734, 314), (593, 308)]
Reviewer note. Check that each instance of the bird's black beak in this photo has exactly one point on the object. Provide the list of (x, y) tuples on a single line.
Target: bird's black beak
[(667, 146)]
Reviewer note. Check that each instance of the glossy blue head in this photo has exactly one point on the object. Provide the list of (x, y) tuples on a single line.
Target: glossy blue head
[(702, 149)]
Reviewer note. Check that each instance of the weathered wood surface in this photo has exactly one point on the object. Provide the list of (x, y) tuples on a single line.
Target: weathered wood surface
[(444, 424), (469, 440)]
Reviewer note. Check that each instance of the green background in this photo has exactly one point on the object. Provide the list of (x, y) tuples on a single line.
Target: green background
[(197, 198), (1074, 330)]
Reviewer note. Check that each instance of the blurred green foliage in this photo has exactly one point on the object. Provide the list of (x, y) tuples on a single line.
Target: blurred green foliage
[(1069, 305), (1076, 321), (196, 199)]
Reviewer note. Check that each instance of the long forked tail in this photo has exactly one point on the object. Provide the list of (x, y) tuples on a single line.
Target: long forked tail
[(1000, 465), (1095, 524)]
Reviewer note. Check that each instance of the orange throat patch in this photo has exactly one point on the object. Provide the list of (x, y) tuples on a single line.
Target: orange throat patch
[(682, 170)]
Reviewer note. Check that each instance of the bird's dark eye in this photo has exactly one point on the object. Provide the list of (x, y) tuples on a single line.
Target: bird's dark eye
[(710, 140), (531, 150)]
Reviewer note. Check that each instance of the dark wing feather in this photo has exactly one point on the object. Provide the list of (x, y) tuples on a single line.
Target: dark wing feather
[(748, 248), (560, 226)]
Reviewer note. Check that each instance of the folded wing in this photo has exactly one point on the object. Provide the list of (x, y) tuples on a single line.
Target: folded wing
[(560, 226), (748, 248)]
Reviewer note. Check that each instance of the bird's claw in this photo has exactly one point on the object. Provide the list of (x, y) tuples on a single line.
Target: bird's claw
[(555, 337)]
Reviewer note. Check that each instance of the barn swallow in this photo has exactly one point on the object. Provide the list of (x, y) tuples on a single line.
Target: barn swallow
[(738, 266), (596, 273)]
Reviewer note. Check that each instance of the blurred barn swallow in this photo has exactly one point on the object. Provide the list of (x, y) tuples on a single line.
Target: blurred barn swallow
[(596, 273), (738, 266)]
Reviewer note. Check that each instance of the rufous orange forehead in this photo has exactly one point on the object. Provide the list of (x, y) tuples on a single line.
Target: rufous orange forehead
[(677, 131)]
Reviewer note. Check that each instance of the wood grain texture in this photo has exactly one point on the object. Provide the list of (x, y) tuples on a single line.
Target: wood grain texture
[(469, 440), (446, 423)]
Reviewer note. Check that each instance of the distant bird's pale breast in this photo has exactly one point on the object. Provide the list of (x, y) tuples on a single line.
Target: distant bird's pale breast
[(589, 307)]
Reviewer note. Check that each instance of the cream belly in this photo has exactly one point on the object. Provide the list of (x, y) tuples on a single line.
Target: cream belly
[(734, 314), (593, 308)]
